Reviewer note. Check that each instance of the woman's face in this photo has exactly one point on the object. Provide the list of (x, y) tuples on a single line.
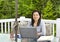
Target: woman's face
[(36, 16)]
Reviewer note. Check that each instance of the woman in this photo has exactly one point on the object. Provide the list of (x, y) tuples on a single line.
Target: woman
[(38, 23)]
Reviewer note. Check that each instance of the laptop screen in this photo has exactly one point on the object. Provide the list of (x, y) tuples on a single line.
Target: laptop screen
[(28, 32)]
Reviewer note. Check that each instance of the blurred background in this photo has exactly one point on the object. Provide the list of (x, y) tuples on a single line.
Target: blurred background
[(50, 8)]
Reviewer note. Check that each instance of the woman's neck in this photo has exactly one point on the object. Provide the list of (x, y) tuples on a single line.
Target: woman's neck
[(35, 23)]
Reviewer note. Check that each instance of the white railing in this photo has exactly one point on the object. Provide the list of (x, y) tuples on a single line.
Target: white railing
[(52, 24), (6, 24)]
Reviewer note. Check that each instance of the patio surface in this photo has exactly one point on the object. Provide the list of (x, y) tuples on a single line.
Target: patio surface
[(6, 38)]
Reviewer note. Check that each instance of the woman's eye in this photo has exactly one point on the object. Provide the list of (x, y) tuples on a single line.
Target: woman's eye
[(36, 15)]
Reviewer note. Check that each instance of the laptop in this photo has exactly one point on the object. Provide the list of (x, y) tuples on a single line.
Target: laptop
[(28, 32)]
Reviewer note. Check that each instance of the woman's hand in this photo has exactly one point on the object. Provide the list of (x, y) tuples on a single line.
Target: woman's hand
[(38, 34)]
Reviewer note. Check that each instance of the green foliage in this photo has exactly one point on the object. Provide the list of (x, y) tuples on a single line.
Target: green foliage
[(56, 4), (25, 8), (6, 8), (50, 8)]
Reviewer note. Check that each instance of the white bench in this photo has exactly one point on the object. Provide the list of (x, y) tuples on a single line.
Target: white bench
[(46, 38)]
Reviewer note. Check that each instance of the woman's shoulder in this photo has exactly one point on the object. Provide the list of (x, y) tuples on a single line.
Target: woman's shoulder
[(42, 22)]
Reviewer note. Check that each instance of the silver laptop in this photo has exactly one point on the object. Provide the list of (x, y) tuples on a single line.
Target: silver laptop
[(28, 32)]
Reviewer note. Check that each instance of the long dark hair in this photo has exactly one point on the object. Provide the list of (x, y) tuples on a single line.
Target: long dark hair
[(32, 20)]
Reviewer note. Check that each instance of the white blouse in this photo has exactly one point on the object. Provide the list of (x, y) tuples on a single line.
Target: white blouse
[(41, 28)]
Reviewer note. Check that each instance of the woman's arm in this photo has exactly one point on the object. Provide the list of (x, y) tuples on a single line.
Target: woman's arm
[(42, 30)]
